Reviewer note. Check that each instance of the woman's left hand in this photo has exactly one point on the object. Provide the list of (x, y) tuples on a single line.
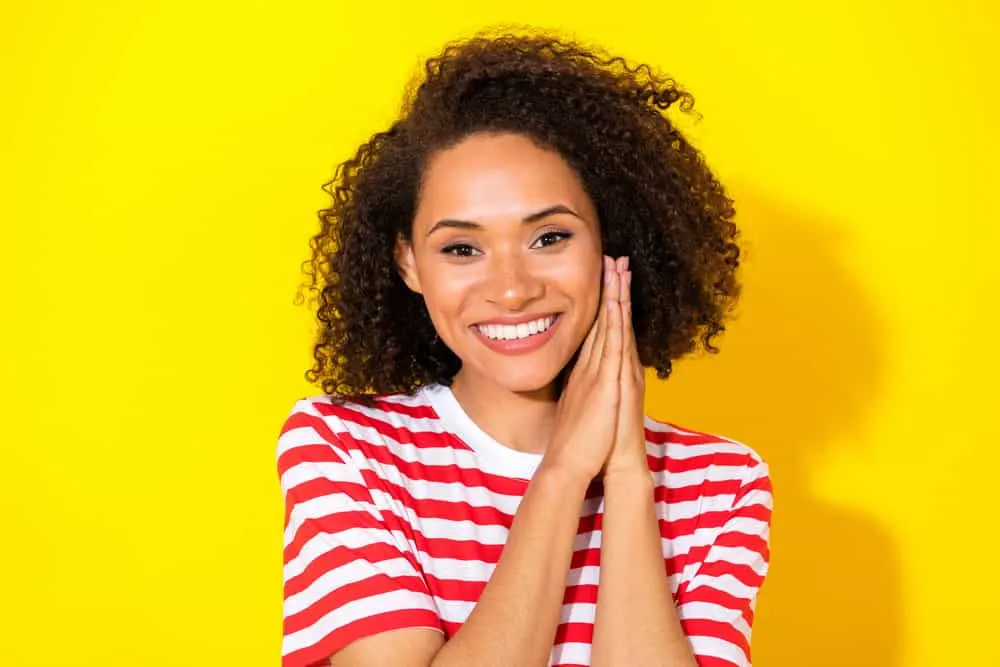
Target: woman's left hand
[(628, 453)]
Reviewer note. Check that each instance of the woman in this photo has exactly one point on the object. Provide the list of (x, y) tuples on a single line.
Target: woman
[(497, 268)]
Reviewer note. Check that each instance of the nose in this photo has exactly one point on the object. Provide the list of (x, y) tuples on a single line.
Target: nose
[(512, 283)]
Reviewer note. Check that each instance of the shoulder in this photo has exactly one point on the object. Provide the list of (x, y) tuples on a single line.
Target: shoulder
[(337, 415), (682, 449), (361, 429)]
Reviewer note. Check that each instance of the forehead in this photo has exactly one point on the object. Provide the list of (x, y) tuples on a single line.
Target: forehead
[(497, 176)]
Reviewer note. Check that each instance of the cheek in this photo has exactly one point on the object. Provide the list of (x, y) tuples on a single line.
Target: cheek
[(445, 292), (580, 279)]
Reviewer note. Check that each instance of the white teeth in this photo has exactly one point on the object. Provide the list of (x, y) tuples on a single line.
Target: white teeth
[(515, 331)]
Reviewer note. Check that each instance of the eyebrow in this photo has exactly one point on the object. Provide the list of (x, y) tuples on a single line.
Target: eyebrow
[(534, 217)]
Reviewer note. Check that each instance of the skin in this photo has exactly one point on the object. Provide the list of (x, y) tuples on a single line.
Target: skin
[(502, 266), (552, 264)]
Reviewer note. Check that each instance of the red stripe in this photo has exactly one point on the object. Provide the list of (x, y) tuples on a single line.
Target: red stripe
[(755, 543), (383, 457), (358, 590), (582, 557), (712, 661), (324, 486), (320, 452), (455, 590), (319, 653), (331, 524), (425, 508), (408, 410), (580, 593), (577, 633), (693, 492), (699, 462), (702, 627), (398, 432), (743, 573), (689, 437), (450, 628), (338, 557), (756, 511), (714, 596), (434, 473), (762, 483)]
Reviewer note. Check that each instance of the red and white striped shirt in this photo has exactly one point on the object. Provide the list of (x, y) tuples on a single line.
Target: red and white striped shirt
[(395, 516)]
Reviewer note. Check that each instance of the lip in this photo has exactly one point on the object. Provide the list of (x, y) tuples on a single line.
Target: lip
[(519, 345)]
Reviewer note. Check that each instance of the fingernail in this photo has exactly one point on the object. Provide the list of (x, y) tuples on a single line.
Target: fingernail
[(626, 263)]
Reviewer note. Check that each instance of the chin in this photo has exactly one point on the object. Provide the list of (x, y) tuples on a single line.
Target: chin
[(522, 376)]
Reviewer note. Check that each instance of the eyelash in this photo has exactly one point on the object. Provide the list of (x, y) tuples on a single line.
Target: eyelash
[(455, 247)]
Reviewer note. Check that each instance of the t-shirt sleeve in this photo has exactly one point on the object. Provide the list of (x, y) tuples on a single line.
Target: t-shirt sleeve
[(346, 574), (716, 606)]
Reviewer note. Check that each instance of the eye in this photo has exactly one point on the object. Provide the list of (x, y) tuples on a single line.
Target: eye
[(551, 238), (459, 250)]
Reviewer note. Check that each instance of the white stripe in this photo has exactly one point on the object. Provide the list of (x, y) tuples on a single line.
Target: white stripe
[(455, 492), (738, 556), (324, 506), (307, 471), (718, 648), (450, 529), (459, 570), (714, 612), (573, 653), (301, 436), (680, 452), (726, 583), (465, 459), (698, 476), (350, 573), (353, 538), (354, 611)]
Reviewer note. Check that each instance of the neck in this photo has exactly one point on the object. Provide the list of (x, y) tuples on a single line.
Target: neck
[(520, 420)]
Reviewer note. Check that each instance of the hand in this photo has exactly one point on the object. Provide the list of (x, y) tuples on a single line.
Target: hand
[(628, 454), (587, 414)]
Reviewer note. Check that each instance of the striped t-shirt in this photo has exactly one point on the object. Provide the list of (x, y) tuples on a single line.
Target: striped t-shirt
[(396, 515)]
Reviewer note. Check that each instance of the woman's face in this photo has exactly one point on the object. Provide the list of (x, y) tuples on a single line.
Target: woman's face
[(506, 251)]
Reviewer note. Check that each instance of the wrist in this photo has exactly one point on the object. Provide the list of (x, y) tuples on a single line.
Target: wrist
[(570, 479), (628, 476), (627, 462)]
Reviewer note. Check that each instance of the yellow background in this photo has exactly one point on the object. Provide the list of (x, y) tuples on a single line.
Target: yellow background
[(161, 171)]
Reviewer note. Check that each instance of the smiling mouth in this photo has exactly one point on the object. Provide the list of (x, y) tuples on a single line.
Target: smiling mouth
[(520, 331)]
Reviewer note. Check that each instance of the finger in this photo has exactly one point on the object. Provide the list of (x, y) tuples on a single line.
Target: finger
[(628, 340), (600, 334), (622, 267), (587, 348), (611, 359), (631, 350)]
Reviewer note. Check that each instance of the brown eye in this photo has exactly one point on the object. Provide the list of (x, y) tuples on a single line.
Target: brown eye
[(459, 250), (551, 238)]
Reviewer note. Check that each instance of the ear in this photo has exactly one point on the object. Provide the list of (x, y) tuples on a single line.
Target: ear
[(406, 265)]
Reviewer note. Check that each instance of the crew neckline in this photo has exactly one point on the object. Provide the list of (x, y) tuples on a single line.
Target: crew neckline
[(502, 458)]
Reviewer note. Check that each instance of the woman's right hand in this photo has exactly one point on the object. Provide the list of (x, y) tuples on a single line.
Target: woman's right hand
[(588, 407)]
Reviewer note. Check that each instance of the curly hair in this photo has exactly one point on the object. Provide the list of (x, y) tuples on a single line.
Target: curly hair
[(656, 201)]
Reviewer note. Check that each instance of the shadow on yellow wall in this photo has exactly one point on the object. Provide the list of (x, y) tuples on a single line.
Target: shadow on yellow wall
[(800, 371)]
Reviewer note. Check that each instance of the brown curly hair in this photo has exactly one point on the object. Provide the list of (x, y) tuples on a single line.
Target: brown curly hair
[(656, 200)]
